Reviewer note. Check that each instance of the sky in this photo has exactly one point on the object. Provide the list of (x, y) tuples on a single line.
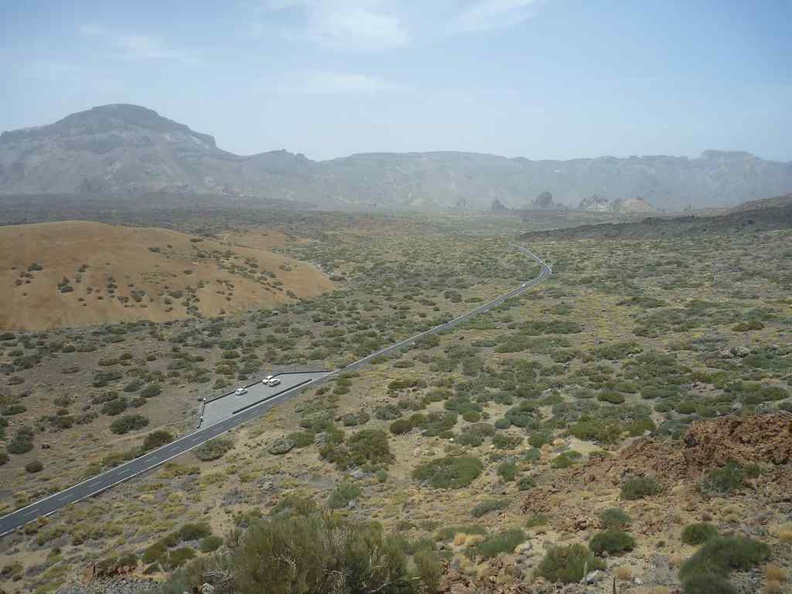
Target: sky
[(542, 79)]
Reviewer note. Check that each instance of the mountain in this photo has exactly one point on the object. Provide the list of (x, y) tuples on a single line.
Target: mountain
[(758, 215), (128, 150)]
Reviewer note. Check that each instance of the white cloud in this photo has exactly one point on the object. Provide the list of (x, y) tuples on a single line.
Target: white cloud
[(352, 25), (328, 81), (138, 47), (487, 15)]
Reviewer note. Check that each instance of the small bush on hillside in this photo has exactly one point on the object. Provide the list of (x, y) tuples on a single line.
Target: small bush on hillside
[(128, 423), (708, 584), (22, 442), (469, 439), (194, 531), (615, 518), (720, 556), (115, 407), (501, 542), (525, 483), (611, 541), (400, 426), (503, 441), (150, 391), (449, 473), (638, 487), (565, 459), (723, 481), (489, 505), (696, 534), (34, 466), (156, 439), (213, 449), (343, 494), (507, 471), (568, 564)]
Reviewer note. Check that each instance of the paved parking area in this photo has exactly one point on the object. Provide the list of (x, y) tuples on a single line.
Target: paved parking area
[(223, 407)]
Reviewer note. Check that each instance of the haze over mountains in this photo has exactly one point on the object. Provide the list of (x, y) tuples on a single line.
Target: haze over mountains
[(127, 150)]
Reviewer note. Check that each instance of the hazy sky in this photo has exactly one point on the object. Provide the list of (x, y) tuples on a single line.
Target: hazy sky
[(533, 78)]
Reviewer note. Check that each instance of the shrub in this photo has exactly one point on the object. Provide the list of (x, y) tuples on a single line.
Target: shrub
[(708, 584), (400, 426), (567, 564), (469, 439), (525, 483), (487, 506), (502, 542), (301, 439), (719, 556), (114, 407), (503, 441), (34, 466), (180, 556), (210, 543), (22, 442), (565, 459), (369, 448), (312, 553), (150, 391), (696, 534), (450, 472), (638, 487), (213, 449), (507, 470), (194, 531), (155, 552), (615, 518), (536, 520), (280, 446), (14, 409), (503, 423), (355, 419), (611, 541), (156, 439), (343, 494), (128, 423), (723, 481), (611, 396)]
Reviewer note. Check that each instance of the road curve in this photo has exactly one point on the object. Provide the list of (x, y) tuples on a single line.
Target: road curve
[(119, 474)]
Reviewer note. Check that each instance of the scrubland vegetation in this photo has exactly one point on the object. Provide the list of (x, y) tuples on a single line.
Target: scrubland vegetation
[(508, 451)]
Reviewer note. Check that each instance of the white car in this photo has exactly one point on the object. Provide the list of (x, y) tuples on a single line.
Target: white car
[(240, 391), (274, 382), (267, 380)]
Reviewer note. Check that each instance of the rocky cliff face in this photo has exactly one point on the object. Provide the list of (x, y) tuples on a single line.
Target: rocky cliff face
[(127, 150)]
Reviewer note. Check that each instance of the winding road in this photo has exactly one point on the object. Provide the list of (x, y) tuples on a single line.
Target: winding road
[(119, 474)]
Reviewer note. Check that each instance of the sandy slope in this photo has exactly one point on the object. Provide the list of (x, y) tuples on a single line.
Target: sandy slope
[(139, 273)]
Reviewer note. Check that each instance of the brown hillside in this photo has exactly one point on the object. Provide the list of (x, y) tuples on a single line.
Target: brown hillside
[(93, 273)]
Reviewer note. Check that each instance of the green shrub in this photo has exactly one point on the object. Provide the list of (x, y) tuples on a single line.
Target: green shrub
[(565, 459), (180, 556), (343, 494), (469, 439), (128, 423), (488, 505), (400, 426), (326, 553), (611, 541), (504, 441), (708, 584), (156, 439), (525, 483), (449, 473), (507, 470), (568, 564), (114, 407), (22, 442), (194, 531), (210, 543), (719, 556), (155, 552), (611, 396), (696, 534), (503, 423), (34, 466), (150, 391), (724, 480), (301, 439), (502, 542), (536, 520), (615, 518), (213, 449), (638, 487), (355, 419)]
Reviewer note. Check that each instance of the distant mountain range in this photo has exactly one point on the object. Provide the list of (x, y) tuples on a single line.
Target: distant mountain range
[(127, 150)]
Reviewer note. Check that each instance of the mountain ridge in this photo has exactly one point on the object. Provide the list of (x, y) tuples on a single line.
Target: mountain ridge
[(127, 149)]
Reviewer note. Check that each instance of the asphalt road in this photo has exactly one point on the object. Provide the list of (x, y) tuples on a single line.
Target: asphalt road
[(124, 472)]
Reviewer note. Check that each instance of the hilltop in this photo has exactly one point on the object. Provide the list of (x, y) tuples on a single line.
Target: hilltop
[(78, 273), (128, 150)]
